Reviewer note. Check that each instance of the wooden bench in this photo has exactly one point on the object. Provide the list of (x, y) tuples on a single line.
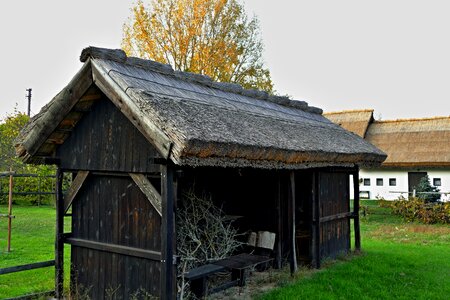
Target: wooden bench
[(236, 264), (198, 278)]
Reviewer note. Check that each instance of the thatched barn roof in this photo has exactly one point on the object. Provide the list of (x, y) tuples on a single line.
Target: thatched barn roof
[(194, 121), (356, 121), (413, 142), (408, 142)]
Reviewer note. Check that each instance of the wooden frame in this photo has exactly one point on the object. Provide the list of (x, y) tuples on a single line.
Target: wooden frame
[(74, 188), (167, 234), (149, 190), (59, 236), (356, 210)]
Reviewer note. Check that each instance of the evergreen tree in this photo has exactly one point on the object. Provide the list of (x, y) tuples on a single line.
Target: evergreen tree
[(425, 186)]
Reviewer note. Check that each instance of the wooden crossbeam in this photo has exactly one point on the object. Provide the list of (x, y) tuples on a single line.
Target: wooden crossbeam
[(74, 188), (149, 190)]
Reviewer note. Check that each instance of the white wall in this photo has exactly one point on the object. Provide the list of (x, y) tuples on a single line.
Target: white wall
[(401, 188)]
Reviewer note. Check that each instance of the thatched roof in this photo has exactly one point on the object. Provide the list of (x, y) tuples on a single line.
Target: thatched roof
[(356, 121), (197, 122), (408, 142), (413, 142)]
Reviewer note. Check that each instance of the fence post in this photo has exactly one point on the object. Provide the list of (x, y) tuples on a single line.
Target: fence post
[(10, 208), (59, 243)]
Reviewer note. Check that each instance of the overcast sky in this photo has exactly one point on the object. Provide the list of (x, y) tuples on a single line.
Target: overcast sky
[(389, 55)]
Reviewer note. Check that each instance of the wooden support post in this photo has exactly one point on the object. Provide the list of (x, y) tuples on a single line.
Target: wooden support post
[(10, 195), (315, 224), (293, 257), (59, 237), (356, 210), (167, 234), (279, 225)]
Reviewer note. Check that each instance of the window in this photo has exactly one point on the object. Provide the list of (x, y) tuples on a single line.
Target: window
[(437, 182), (367, 181), (392, 181), (379, 181), (364, 195)]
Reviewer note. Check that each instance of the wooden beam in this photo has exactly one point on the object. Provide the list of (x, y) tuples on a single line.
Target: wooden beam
[(168, 278), (293, 256), (279, 225), (149, 190), (74, 188), (356, 210), (315, 221), (129, 108), (27, 267), (336, 217), (112, 248), (59, 237), (58, 108)]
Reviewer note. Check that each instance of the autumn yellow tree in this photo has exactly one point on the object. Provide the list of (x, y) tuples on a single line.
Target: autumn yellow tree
[(210, 37)]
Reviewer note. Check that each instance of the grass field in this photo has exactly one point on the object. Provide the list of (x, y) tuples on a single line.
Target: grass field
[(399, 261), (32, 240)]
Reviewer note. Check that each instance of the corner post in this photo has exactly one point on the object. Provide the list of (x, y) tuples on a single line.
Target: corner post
[(356, 210), (167, 291), (59, 242), (315, 217), (293, 256)]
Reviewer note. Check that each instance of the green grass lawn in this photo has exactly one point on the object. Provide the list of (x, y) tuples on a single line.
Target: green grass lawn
[(399, 260), (32, 240)]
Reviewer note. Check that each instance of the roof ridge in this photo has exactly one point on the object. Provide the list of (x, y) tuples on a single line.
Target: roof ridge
[(118, 55), (413, 119), (349, 111)]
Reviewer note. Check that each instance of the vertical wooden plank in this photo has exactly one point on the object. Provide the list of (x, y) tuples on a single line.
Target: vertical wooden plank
[(279, 224), (59, 243), (167, 233), (315, 224), (356, 210), (293, 256)]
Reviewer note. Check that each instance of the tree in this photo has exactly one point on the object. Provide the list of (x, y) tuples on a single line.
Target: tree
[(9, 130), (210, 37), (424, 188)]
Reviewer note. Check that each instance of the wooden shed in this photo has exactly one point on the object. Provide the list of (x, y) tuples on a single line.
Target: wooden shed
[(126, 128)]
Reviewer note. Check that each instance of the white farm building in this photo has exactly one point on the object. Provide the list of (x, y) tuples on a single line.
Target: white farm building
[(415, 147)]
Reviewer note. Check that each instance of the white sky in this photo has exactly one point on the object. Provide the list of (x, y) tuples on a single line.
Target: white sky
[(390, 55)]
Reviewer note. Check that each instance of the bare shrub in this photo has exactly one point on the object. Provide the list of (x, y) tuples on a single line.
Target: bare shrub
[(203, 234)]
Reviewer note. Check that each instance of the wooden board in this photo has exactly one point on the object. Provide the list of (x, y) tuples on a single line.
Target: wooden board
[(74, 188), (149, 190)]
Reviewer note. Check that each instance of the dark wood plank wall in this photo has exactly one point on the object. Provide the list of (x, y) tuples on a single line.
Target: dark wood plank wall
[(113, 210), (334, 200), (105, 140)]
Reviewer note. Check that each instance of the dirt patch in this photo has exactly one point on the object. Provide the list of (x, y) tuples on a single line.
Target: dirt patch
[(411, 233)]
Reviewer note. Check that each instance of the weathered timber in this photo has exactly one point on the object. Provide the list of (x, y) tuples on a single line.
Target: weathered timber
[(315, 224), (76, 185), (60, 106), (106, 141), (356, 210), (293, 256), (128, 107), (59, 237), (278, 254), (149, 190), (119, 249), (121, 216), (336, 217), (10, 200), (167, 234), (27, 267)]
